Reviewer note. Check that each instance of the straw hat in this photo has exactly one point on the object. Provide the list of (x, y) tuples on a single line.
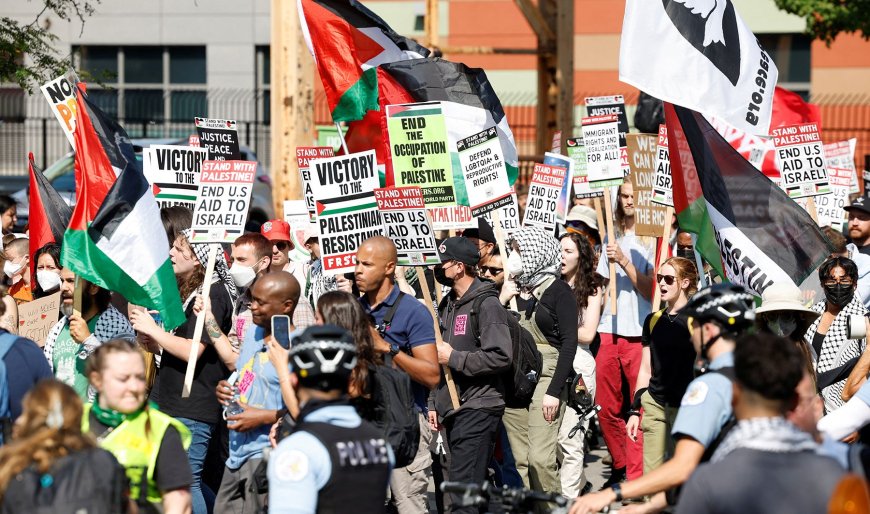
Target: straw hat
[(784, 296)]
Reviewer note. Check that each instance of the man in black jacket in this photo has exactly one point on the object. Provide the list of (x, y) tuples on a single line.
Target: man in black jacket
[(474, 363)]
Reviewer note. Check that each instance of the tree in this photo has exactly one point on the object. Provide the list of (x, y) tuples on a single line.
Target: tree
[(28, 56), (827, 18)]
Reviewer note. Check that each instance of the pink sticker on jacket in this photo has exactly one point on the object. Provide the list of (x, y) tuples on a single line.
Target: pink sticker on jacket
[(459, 325)]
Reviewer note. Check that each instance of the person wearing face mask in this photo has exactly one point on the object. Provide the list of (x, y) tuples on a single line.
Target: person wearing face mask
[(47, 270), (834, 355), (77, 335), (782, 312), (17, 269)]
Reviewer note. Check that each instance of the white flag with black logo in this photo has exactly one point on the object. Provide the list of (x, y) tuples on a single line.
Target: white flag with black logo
[(698, 54)]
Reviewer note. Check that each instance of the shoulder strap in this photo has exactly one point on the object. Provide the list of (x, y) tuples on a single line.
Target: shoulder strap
[(388, 317), (6, 342), (656, 316), (727, 372), (475, 309)]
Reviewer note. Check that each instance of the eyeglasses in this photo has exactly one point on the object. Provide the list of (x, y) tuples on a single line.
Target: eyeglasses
[(669, 279), (490, 270), (282, 245), (843, 281)]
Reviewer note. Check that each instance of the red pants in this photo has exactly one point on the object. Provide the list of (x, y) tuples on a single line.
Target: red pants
[(616, 357)]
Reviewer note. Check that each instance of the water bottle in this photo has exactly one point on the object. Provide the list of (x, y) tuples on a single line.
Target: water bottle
[(233, 407)]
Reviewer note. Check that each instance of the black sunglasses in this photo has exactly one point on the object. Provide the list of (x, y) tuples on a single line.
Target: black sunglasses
[(282, 245), (489, 270), (669, 279)]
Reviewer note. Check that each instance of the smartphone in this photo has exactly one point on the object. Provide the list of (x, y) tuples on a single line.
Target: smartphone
[(281, 330)]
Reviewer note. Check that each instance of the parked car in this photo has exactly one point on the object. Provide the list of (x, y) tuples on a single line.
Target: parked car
[(61, 174)]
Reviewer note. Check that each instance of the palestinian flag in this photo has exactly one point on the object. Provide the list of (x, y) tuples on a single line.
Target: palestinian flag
[(348, 42), (115, 238), (49, 213), (746, 225)]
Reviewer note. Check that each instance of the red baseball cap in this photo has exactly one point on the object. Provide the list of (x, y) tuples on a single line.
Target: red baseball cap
[(276, 230)]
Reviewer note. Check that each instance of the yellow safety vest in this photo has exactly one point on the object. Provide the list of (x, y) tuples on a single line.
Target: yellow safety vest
[(136, 443)]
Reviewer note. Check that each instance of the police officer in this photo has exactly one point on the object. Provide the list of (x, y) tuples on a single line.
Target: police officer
[(719, 315), (333, 461)]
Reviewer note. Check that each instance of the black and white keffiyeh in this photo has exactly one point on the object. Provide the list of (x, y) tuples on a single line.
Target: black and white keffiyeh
[(542, 256), (774, 435), (220, 266)]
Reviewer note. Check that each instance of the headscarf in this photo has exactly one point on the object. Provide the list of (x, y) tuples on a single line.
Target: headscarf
[(220, 265), (542, 256)]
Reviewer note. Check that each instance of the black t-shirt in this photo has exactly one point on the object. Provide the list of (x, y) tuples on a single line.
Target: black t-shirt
[(201, 405), (173, 468), (672, 356)]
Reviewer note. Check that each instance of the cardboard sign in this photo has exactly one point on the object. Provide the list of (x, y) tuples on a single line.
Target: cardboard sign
[(61, 97), (484, 170), (663, 189), (603, 162), (801, 160), (223, 200), (296, 215), (509, 216), (454, 217), (304, 154), (421, 156), (406, 223), (615, 105), (173, 172), (840, 161), (347, 213), (577, 153), (544, 191), (649, 217), (564, 202), (36, 318), (220, 138)]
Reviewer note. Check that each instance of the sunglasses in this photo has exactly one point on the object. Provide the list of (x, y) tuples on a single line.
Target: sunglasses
[(282, 245), (669, 279), (489, 270)]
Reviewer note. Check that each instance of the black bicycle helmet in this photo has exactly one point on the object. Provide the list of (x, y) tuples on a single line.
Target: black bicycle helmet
[(729, 305), (323, 357)]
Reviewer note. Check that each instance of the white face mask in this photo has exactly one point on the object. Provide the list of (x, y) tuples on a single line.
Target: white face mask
[(47, 280), (514, 264), (11, 269), (242, 275)]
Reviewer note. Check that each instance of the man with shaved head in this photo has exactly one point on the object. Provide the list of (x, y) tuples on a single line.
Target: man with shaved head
[(404, 330), (259, 391)]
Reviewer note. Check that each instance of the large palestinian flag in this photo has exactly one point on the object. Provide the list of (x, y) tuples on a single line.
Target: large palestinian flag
[(348, 42), (115, 237), (746, 225), (49, 213)]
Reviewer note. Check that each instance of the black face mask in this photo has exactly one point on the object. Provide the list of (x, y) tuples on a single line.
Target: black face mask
[(686, 253), (839, 294), (441, 277)]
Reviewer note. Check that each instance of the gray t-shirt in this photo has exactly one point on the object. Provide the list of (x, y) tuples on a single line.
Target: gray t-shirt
[(631, 307)]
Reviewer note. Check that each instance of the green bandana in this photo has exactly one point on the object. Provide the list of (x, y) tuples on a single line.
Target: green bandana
[(108, 417)]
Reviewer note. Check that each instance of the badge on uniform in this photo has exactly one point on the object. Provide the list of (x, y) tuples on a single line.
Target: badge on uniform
[(291, 466), (696, 393)]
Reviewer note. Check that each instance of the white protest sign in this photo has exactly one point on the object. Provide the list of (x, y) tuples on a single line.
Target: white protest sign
[(61, 97), (603, 161), (296, 215), (347, 213), (484, 170), (508, 216), (662, 191), (544, 191), (173, 172), (577, 152), (453, 217), (405, 222), (304, 155), (615, 105), (840, 161), (223, 200), (801, 160)]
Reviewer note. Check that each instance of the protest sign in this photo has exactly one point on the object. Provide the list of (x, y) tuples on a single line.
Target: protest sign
[(556, 144), (222, 203), (544, 190), (801, 160), (840, 161), (484, 170), (649, 217), (347, 213), (564, 202), (406, 223), (615, 105), (759, 151), (603, 163), (220, 138), (61, 97), (304, 154), (663, 192), (508, 216), (577, 153), (36, 318), (193, 140), (296, 215), (418, 143), (454, 217), (173, 172)]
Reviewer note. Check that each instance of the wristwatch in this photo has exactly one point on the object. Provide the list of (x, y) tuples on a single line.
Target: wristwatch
[(617, 490), (394, 349)]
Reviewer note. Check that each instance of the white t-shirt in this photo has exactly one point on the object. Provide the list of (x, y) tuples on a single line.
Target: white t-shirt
[(631, 307)]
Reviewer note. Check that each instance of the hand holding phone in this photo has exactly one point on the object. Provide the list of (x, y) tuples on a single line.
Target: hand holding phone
[(281, 330)]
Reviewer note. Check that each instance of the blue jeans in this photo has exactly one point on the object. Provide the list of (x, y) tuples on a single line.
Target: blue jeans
[(201, 432)]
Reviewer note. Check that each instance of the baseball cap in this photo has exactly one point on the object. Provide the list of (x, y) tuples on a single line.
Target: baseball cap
[(276, 230), (862, 203), (458, 249)]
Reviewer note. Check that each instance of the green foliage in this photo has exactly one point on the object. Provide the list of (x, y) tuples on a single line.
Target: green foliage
[(27, 53), (827, 18)]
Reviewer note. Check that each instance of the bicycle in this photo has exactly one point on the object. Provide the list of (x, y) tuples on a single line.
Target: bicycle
[(504, 499)]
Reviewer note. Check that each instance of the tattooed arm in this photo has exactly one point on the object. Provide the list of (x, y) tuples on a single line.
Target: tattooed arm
[(221, 342)]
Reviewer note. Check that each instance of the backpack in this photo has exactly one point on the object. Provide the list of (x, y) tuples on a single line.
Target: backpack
[(6, 342), (390, 407)]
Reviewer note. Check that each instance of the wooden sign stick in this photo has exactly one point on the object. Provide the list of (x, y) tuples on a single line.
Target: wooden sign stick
[(666, 235), (499, 240), (200, 321), (77, 296), (611, 238), (427, 300), (598, 214)]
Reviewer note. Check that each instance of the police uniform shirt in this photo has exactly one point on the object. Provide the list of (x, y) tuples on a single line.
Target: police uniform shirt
[(706, 406)]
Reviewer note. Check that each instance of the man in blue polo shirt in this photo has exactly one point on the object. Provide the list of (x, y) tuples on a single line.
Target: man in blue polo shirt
[(410, 339)]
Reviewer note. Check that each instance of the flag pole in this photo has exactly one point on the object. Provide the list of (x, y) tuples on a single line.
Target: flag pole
[(77, 296), (341, 136), (611, 238), (427, 301), (666, 235), (200, 321)]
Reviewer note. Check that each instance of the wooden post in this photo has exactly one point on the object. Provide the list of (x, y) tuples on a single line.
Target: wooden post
[(200, 321), (666, 235), (427, 300), (77, 296), (598, 214), (431, 23), (611, 238), (292, 105)]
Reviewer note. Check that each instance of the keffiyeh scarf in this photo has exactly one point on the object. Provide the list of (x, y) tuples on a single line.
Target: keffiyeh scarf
[(542, 256), (774, 435), (220, 266)]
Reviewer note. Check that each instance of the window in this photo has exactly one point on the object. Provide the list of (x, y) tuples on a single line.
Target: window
[(147, 83), (791, 53), (263, 83)]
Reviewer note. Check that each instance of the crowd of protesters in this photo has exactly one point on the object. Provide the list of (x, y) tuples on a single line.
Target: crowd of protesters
[(708, 403)]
